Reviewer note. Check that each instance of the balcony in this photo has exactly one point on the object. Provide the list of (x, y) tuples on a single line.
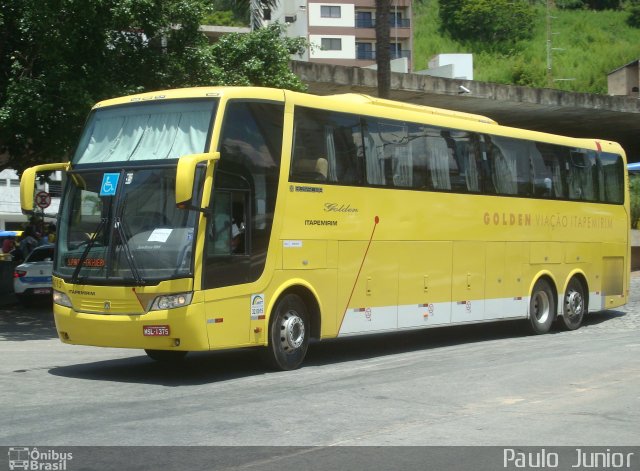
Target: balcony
[(366, 55), (393, 23), (400, 54), (400, 23), (371, 55)]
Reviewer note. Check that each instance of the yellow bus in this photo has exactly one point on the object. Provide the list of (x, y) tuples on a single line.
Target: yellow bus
[(217, 218)]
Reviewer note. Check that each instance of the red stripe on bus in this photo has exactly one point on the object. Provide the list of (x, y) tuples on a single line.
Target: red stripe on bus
[(346, 308)]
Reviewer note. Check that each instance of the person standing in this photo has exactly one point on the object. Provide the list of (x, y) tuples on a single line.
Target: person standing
[(28, 243)]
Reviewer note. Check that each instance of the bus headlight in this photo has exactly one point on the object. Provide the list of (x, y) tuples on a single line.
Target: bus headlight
[(61, 299), (171, 301)]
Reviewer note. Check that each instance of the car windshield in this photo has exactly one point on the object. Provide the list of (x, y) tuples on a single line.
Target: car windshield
[(41, 254)]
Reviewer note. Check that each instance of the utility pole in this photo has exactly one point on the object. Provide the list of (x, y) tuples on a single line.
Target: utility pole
[(550, 4), (550, 80), (383, 54)]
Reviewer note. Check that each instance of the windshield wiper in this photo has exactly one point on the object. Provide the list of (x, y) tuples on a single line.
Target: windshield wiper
[(125, 247), (85, 252), (125, 244)]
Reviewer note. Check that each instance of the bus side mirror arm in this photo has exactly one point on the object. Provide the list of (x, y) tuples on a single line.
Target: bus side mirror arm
[(28, 183), (185, 177)]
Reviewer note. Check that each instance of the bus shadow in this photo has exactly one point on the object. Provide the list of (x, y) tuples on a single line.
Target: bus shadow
[(196, 369), (19, 323), (600, 317), (378, 345), (211, 367)]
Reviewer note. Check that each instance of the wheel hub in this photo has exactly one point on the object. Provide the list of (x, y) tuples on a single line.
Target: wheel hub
[(541, 306), (292, 332), (574, 303)]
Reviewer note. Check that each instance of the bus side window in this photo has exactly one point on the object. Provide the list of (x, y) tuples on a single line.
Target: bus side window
[(612, 177)]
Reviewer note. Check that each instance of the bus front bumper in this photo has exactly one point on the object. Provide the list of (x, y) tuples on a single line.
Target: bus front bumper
[(175, 329)]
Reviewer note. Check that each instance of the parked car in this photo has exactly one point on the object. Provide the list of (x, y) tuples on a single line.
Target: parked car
[(32, 279)]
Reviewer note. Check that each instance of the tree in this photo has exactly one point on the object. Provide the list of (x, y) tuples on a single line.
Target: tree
[(260, 58), (59, 57), (494, 22), (249, 11), (633, 19), (383, 53)]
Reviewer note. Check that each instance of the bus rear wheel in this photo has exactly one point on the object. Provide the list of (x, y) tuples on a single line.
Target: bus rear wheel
[(288, 333), (166, 356), (575, 305), (542, 307)]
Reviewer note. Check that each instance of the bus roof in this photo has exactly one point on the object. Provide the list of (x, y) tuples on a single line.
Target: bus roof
[(358, 98), (340, 100)]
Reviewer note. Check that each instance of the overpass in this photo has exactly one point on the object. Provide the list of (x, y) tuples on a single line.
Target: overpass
[(605, 117)]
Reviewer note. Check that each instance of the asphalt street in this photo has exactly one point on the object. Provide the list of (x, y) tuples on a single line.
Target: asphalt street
[(472, 385)]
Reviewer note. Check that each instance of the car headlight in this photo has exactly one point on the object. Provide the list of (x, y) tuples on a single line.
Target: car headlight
[(61, 299), (171, 301)]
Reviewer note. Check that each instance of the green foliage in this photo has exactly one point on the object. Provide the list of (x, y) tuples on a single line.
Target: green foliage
[(593, 44), (570, 4), (488, 21), (260, 58), (589, 4), (634, 191), (603, 4), (222, 18), (59, 57), (633, 19)]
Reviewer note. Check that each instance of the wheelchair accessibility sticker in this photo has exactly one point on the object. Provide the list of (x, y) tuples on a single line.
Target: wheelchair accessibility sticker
[(109, 184)]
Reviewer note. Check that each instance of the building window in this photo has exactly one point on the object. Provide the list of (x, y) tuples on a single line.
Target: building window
[(331, 44), (330, 11), (364, 51), (364, 19), (13, 182), (266, 14)]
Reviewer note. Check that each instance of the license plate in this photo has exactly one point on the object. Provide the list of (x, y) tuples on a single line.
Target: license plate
[(42, 291), (155, 330)]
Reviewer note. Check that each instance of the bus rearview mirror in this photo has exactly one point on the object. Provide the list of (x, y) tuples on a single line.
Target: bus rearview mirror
[(185, 175), (28, 183)]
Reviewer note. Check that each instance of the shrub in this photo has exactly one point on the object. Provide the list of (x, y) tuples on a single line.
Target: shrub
[(633, 19), (489, 21)]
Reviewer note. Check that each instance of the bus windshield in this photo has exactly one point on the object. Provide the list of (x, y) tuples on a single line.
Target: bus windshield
[(134, 234), (146, 131)]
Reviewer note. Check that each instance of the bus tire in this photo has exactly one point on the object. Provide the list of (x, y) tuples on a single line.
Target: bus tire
[(575, 305), (166, 356), (288, 333), (542, 307)]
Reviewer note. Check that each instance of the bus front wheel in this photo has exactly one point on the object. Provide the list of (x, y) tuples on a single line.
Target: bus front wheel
[(575, 305), (288, 333), (166, 356), (542, 307)]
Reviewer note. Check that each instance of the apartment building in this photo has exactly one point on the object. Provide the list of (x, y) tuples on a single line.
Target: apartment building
[(342, 32)]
